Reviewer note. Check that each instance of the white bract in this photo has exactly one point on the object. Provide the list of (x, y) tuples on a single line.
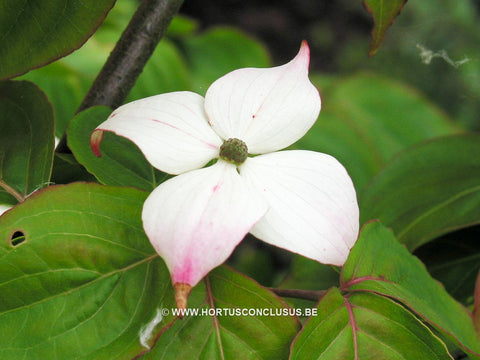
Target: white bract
[(4, 208), (302, 201)]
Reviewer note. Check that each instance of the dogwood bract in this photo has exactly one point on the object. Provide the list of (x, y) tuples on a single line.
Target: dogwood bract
[(302, 201)]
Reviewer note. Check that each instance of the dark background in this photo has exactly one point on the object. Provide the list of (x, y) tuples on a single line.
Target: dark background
[(281, 25)]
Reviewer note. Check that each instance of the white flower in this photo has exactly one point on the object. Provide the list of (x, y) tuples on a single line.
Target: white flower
[(4, 208), (302, 201)]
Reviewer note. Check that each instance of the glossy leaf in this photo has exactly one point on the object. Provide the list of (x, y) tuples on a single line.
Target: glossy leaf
[(121, 163), (379, 264), (365, 326), (78, 277), (34, 34), (353, 125), (26, 140), (228, 336), (428, 190), (65, 88), (384, 13)]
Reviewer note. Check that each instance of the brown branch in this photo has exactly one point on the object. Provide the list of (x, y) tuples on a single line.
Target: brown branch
[(129, 56), (299, 294)]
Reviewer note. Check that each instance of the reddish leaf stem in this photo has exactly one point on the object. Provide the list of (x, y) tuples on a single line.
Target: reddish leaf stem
[(216, 324), (353, 324)]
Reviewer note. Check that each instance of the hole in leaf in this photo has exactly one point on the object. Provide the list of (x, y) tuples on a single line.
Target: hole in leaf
[(17, 238)]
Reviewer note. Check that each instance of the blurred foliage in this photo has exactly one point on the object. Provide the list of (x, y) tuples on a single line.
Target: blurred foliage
[(448, 27), (437, 190), (368, 118)]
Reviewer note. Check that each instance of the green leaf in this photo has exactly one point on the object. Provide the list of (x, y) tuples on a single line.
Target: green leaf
[(26, 140), (181, 26), (365, 326), (384, 13), (33, 34), (427, 190), (78, 277), (225, 336), (366, 119), (379, 264), (219, 51), (121, 163), (65, 88)]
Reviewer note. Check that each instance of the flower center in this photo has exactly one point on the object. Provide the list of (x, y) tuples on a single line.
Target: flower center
[(234, 151)]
